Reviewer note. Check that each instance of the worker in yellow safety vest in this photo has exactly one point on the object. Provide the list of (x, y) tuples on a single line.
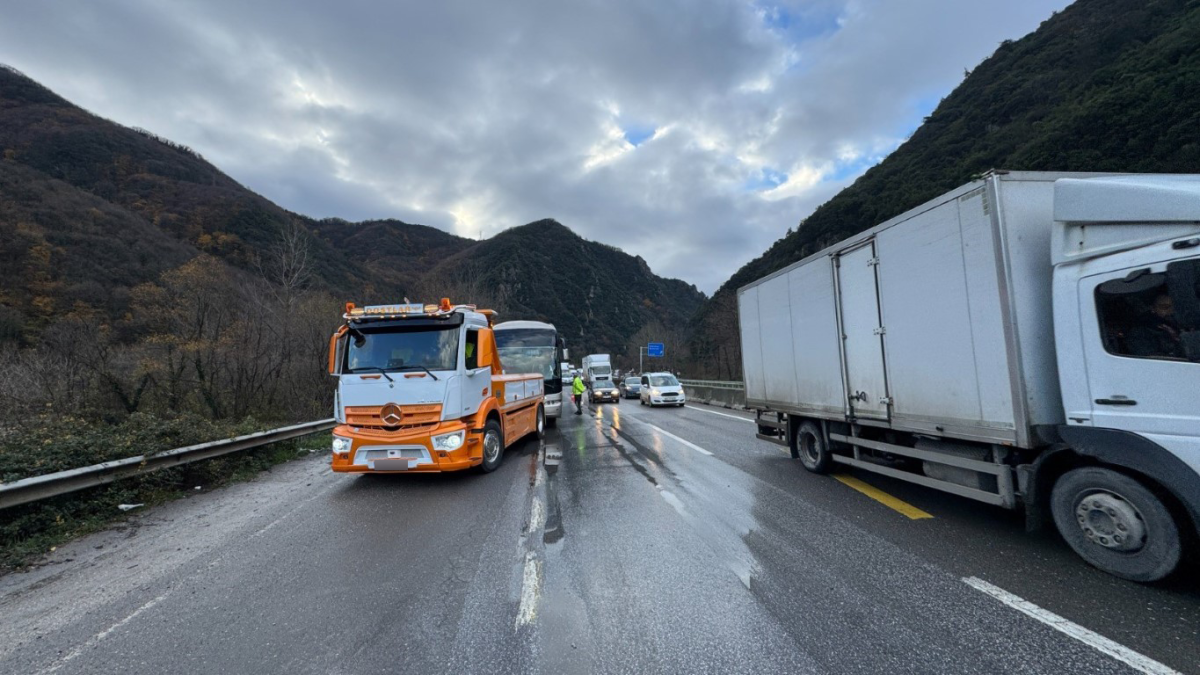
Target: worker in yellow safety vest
[(577, 389)]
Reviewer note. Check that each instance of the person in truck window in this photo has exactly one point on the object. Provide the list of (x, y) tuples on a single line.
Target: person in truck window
[(1158, 334)]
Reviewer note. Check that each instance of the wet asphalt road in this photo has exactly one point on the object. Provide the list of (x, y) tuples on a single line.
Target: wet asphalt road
[(631, 540)]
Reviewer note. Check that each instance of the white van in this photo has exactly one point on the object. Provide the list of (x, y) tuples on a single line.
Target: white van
[(661, 389)]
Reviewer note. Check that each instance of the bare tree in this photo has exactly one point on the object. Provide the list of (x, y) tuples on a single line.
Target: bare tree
[(287, 264)]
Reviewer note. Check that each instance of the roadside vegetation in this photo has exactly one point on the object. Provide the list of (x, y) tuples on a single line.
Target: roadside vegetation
[(31, 530), (203, 353)]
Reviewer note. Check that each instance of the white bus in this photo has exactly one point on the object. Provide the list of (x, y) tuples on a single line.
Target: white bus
[(534, 347)]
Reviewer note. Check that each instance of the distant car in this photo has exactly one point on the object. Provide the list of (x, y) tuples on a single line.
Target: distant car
[(631, 387), (605, 390), (661, 389)]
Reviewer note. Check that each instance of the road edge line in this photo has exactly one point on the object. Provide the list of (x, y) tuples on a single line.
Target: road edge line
[(894, 503), (1135, 660)]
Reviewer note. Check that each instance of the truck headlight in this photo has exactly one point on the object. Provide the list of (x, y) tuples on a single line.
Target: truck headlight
[(452, 441), (340, 445)]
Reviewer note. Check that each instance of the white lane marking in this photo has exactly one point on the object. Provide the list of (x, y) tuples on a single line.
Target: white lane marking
[(101, 635), (713, 412), (1138, 662), (295, 509), (531, 577), (531, 587), (668, 434)]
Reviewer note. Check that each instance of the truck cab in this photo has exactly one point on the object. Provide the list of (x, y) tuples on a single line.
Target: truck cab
[(422, 388), (1126, 256)]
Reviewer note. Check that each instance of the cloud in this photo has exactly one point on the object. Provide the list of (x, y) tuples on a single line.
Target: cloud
[(690, 132)]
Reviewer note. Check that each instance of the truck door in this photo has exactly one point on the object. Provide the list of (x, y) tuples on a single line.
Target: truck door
[(862, 335), (1141, 337), (477, 381)]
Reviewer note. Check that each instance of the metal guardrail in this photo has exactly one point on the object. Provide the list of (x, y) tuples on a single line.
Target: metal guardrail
[(53, 484), (713, 384)]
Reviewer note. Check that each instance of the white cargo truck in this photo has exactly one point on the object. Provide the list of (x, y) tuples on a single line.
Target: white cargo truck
[(596, 367), (1029, 340)]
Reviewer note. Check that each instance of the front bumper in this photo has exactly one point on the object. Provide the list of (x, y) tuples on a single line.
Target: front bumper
[(606, 396), (661, 400), (553, 408), (381, 451)]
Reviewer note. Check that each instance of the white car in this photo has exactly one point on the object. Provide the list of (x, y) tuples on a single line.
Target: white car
[(661, 389)]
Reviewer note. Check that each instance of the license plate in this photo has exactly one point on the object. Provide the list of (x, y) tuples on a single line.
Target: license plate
[(393, 464)]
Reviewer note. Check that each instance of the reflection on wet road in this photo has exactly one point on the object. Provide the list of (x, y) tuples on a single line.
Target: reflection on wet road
[(683, 544), (630, 540)]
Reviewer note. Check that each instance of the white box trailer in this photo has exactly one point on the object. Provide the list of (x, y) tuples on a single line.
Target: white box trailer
[(926, 349)]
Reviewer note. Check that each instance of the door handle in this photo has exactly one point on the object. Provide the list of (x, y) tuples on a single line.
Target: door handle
[(1115, 401)]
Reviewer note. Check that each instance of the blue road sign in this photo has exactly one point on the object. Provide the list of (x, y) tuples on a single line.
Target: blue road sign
[(654, 349)]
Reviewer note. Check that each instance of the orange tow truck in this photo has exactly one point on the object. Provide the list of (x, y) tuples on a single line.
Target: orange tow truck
[(421, 389)]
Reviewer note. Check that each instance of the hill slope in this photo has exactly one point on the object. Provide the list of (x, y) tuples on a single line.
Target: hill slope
[(600, 298), (1105, 85), (90, 209)]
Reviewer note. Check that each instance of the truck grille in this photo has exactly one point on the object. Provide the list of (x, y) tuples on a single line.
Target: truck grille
[(411, 417)]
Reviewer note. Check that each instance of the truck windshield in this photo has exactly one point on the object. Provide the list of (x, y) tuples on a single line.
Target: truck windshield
[(434, 348), (600, 370), (528, 351)]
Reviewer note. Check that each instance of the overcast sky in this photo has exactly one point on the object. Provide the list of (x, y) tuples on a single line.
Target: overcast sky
[(693, 133)]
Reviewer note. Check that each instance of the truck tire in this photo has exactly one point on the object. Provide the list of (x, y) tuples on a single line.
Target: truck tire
[(811, 448), (493, 446), (1116, 524), (541, 422)]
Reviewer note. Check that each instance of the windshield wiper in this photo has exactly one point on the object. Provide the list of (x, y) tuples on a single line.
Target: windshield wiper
[(381, 370), (435, 377)]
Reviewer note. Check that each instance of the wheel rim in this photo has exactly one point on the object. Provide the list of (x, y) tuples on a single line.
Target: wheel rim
[(491, 447), (541, 421), (1108, 520), (808, 449)]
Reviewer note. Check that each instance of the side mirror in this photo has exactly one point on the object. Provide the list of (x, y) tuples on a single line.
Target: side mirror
[(487, 350), (1191, 345), (337, 343), (1183, 278)]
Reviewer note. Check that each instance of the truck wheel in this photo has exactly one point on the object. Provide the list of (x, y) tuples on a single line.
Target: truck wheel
[(493, 446), (1114, 523), (811, 448), (541, 422)]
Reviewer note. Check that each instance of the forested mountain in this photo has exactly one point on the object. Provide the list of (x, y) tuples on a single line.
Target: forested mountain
[(91, 210), (600, 298), (1104, 85)]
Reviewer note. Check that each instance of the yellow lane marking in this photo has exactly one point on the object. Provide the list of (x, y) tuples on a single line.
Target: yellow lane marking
[(882, 497)]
